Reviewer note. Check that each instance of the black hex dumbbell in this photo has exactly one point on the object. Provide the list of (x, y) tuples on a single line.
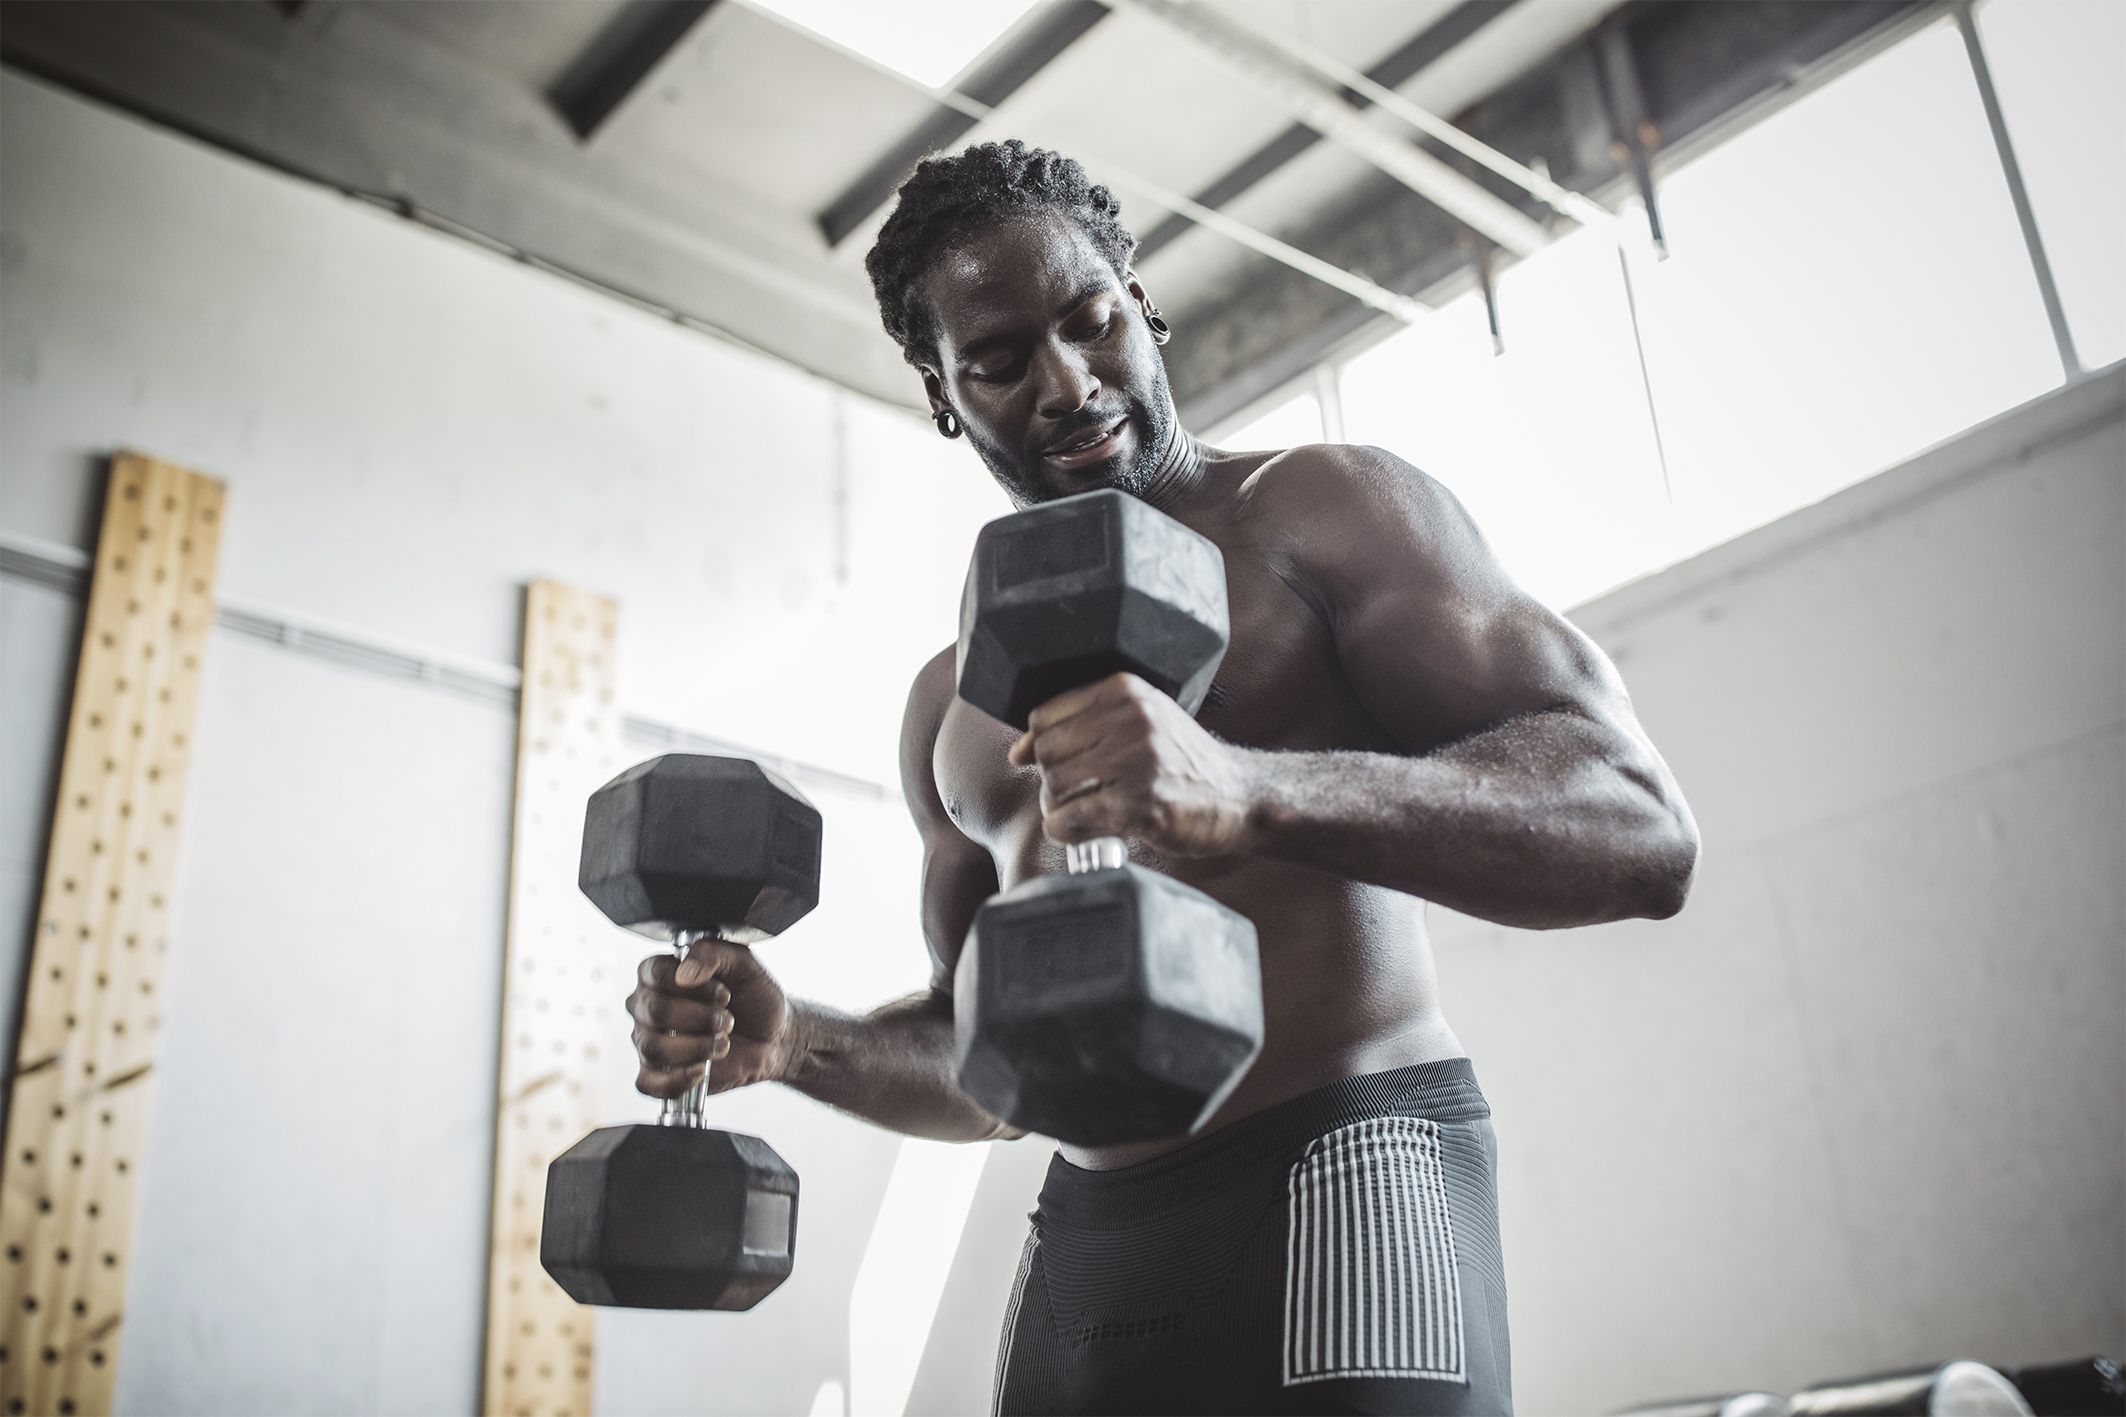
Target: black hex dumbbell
[(678, 1215), (1111, 1004)]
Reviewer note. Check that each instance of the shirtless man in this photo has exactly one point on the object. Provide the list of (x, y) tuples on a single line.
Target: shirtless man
[(1395, 722)]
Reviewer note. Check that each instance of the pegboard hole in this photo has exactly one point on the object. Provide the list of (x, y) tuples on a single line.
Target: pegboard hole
[(95, 1357), (44, 1205), (14, 1254), (81, 1308), (29, 1158), (64, 1256), (51, 1357)]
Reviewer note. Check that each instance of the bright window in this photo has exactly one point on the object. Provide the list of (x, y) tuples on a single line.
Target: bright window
[(931, 41), (1549, 445), (1848, 285), (2055, 66), (1286, 424)]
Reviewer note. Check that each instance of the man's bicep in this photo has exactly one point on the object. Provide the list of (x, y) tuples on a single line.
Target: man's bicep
[(1434, 636)]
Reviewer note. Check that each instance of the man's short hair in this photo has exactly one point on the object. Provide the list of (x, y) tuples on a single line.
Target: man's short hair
[(949, 198)]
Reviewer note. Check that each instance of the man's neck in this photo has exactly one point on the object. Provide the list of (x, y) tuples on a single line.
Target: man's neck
[(1179, 473)]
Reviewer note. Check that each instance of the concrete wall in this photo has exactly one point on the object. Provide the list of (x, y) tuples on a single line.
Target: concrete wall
[(411, 428), (1859, 1105)]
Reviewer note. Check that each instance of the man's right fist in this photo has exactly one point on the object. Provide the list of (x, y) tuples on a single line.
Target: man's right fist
[(716, 1009)]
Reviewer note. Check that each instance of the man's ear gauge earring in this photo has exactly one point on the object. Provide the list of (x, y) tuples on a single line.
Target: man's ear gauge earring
[(948, 422), (1161, 330)]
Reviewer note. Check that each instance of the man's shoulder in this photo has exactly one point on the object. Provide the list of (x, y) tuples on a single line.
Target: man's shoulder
[(1337, 499)]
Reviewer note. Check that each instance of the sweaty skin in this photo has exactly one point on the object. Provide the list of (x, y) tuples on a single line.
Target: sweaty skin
[(1394, 722)]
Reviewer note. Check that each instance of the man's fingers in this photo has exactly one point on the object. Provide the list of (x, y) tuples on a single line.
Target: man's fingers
[(677, 1013), (661, 972), (1070, 704), (675, 1050), (1090, 815), (710, 959), (665, 1082)]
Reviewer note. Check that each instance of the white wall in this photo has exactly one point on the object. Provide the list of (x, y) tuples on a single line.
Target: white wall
[(411, 428), (1860, 1104)]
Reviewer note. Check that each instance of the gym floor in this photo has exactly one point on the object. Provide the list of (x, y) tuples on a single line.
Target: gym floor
[(502, 385)]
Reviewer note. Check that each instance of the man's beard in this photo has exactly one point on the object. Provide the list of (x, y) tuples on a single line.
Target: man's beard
[(1154, 419)]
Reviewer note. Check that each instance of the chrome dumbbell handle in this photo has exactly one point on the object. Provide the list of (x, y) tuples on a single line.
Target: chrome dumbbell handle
[(687, 1109), (1102, 853)]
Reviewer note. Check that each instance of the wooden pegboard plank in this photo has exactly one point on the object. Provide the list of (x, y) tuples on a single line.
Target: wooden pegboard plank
[(561, 974), (78, 1102)]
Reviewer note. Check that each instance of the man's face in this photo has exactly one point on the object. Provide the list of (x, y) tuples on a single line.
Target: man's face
[(1045, 358)]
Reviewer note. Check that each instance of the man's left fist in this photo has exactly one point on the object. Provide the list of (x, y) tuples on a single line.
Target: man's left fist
[(1119, 758)]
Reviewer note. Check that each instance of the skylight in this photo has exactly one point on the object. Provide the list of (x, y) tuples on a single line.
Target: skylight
[(931, 41)]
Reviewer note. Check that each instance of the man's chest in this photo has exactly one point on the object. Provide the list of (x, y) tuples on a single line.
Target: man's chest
[(1279, 686)]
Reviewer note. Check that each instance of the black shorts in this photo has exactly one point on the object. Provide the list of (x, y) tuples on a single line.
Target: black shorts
[(1335, 1253)]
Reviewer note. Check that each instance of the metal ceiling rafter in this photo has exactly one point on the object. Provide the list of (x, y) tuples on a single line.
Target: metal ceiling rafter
[(1248, 54), (1378, 297), (1582, 209), (990, 81), (614, 66)]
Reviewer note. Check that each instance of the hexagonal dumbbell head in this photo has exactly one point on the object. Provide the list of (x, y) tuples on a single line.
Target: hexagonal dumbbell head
[(1073, 590), (669, 1218), (1110, 1007), (693, 842)]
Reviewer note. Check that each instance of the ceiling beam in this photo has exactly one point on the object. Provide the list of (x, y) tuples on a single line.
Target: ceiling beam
[(1430, 44), (1322, 107), (613, 66), (376, 112), (1049, 33)]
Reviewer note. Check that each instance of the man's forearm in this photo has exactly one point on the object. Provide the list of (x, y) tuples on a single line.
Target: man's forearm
[(892, 1067), (1548, 821)]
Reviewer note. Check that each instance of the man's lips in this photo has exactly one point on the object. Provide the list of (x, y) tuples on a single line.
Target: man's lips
[(1088, 448)]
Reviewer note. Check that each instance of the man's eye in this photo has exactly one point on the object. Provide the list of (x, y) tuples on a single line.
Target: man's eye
[(1001, 374), (1099, 331)]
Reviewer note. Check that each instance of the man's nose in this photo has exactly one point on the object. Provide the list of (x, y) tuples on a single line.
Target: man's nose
[(1066, 384)]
